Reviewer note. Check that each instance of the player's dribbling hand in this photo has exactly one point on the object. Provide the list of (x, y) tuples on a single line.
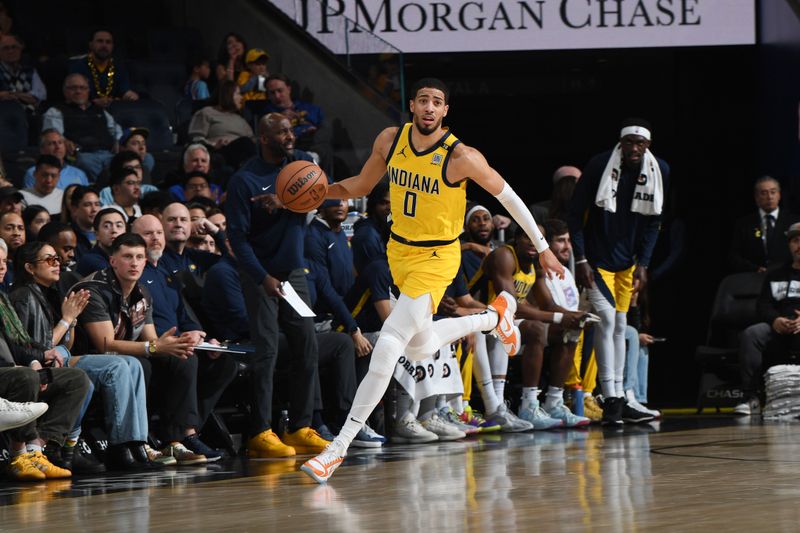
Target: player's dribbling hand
[(551, 265)]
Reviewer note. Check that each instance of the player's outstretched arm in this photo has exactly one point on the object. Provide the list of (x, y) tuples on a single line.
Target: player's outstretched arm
[(470, 162), (371, 173)]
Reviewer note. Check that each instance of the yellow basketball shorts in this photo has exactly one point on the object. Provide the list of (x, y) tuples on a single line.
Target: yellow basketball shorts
[(418, 270), (617, 287)]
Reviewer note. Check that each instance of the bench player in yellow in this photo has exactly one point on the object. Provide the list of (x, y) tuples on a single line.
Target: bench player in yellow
[(428, 169)]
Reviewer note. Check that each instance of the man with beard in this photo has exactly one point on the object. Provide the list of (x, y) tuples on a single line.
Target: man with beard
[(12, 231), (428, 171), (268, 243), (478, 241), (64, 241), (89, 131), (109, 79), (212, 373), (614, 218)]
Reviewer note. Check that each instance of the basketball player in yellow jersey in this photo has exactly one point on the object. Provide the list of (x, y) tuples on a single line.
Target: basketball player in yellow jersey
[(511, 269), (428, 168)]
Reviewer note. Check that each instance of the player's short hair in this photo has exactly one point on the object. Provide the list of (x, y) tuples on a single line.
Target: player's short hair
[(431, 83), (132, 240), (554, 227)]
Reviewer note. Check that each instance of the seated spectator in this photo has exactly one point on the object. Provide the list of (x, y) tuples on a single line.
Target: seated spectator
[(51, 321), (371, 234), (18, 81), (34, 217), (12, 233), (66, 198), (90, 132), (108, 78), (125, 185), (119, 318), (196, 184), (83, 207), (223, 128), (10, 200), (153, 203), (252, 81), (779, 309), (217, 217), (196, 87), (215, 371), (51, 142), (178, 228), (65, 395), (64, 241), (135, 140), (204, 243), (478, 239), (196, 158), (108, 224), (759, 239), (541, 210), (230, 59), (197, 211), (306, 119), (44, 191)]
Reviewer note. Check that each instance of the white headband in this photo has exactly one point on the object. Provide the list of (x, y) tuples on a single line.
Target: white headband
[(635, 130), (474, 210)]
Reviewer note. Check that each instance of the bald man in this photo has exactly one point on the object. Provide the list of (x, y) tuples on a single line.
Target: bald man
[(178, 227), (203, 380)]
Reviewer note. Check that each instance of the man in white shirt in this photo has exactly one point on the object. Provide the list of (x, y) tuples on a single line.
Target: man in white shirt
[(44, 191)]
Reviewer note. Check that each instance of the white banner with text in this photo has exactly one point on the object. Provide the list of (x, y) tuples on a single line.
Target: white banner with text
[(418, 26)]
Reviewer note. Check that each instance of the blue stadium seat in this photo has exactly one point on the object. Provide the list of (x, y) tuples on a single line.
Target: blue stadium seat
[(145, 114)]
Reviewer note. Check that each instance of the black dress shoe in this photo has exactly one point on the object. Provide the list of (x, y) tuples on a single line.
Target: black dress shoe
[(119, 457), (140, 456), (81, 459)]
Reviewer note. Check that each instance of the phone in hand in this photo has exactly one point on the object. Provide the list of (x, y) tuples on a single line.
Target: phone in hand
[(45, 376), (659, 339)]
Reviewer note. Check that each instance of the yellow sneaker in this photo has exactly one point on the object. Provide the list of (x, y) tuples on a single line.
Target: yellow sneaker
[(22, 469), (591, 410), (49, 470), (306, 440), (266, 445)]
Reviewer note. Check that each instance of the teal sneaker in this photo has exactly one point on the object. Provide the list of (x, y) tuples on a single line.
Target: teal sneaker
[(559, 411), (536, 416)]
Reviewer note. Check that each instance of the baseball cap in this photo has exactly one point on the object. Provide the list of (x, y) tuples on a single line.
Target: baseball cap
[(794, 231), (10, 192), (127, 133), (254, 54)]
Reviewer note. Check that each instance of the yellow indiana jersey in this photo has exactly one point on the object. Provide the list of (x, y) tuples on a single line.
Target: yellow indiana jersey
[(425, 206), (482, 288)]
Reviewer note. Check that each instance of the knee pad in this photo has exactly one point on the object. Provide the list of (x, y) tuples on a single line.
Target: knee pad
[(385, 355)]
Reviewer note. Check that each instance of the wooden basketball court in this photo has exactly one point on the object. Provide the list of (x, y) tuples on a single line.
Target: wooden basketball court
[(685, 473)]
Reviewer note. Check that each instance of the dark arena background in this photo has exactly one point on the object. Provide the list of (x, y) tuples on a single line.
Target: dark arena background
[(534, 85)]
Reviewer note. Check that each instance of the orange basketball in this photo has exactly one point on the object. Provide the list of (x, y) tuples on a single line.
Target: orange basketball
[(301, 186)]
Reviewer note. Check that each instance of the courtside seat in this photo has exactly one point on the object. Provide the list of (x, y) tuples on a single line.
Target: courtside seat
[(734, 310)]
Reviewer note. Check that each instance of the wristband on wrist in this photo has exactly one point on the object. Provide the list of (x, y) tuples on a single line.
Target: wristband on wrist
[(557, 318), (147, 348), (64, 323), (581, 261)]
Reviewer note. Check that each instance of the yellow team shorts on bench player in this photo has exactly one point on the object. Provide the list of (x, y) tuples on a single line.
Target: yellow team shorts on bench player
[(418, 270), (617, 287)]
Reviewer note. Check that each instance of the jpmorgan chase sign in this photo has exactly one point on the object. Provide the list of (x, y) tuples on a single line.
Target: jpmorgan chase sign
[(488, 25)]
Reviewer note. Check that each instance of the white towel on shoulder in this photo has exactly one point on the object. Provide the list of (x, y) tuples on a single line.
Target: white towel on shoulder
[(648, 196)]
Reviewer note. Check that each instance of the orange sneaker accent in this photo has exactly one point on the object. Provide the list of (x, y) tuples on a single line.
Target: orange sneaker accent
[(305, 440), (321, 467), (267, 445), (506, 331)]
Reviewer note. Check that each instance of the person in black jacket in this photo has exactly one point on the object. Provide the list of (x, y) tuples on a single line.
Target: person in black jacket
[(779, 309), (759, 239)]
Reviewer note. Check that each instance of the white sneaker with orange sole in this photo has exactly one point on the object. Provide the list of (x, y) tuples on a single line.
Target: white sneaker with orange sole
[(322, 467), (505, 305)]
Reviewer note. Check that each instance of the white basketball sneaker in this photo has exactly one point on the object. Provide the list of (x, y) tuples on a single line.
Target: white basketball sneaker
[(322, 467), (505, 305)]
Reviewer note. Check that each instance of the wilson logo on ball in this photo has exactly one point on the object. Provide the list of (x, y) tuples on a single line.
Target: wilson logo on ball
[(294, 187)]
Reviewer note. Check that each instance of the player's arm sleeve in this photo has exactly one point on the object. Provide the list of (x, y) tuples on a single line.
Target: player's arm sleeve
[(522, 216), (237, 213)]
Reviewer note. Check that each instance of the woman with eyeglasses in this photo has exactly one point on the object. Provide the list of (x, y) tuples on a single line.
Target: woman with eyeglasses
[(50, 321)]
